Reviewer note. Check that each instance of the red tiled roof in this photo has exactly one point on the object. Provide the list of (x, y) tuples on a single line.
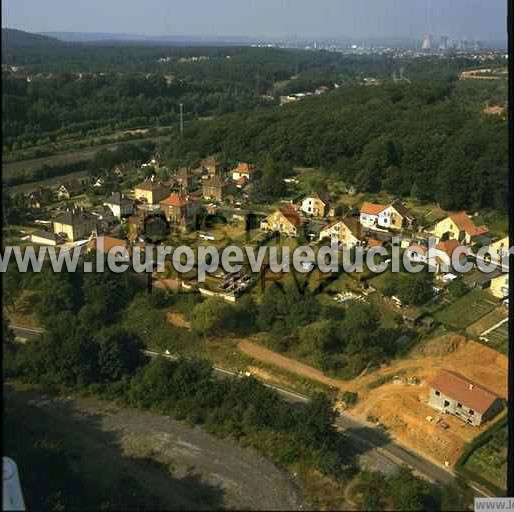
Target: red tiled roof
[(373, 242), (175, 199), (449, 246), (244, 167), (464, 223), (466, 392), (372, 209), (109, 243)]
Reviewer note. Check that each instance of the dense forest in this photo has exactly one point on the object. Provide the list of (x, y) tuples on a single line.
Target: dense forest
[(428, 140), (77, 90)]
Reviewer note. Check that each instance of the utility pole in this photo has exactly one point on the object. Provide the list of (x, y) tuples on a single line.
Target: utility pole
[(181, 119)]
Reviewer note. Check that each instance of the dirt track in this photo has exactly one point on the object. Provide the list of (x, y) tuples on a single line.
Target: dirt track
[(400, 406), (268, 356)]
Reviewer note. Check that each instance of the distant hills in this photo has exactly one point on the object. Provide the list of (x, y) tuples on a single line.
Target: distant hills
[(107, 37), (13, 38)]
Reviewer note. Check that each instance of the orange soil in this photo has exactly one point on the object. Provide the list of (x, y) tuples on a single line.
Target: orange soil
[(402, 407), (268, 356)]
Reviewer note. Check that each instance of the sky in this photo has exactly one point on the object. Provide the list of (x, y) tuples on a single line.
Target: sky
[(473, 19)]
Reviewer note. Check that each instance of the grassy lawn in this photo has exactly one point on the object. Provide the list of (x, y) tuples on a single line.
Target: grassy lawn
[(499, 339), (387, 311), (466, 310), (379, 282)]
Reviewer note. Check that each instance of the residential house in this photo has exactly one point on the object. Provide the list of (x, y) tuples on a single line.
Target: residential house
[(500, 286), (316, 204), (286, 221), (448, 247), (459, 226), (499, 250), (213, 188), (212, 167), (69, 190), (75, 224), (395, 217), (120, 171), (417, 253), (242, 183), (105, 218), (454, 394), (347, 232), (40, 197), (369, 214), (321, 90), (151, 191), (243, 170), (44, 238), (119, 205), (98, 182), (374, 242), (181, 211), (186, 180)]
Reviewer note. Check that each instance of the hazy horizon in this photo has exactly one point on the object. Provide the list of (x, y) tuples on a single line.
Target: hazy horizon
[(472, 19)]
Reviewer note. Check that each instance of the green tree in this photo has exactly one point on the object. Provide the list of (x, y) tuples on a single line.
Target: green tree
[(213, 316), (119, 354)]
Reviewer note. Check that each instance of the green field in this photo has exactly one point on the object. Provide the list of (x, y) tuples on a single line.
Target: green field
[(499, 338), (466, 310), (489, 461)]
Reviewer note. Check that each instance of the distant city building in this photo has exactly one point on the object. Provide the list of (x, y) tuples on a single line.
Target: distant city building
[(444, 43), (427, 42)]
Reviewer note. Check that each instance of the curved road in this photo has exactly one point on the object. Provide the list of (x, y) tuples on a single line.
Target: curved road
[(377, 447)]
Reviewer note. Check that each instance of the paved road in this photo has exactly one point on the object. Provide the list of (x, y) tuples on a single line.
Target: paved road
[(379, 450)]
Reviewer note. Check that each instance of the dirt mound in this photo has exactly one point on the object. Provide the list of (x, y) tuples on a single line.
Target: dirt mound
[(440, 346)]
